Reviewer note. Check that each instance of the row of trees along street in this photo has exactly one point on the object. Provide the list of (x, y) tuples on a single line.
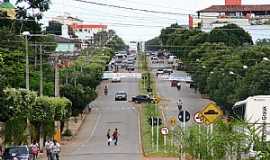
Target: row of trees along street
[(31, 113), (224, 63), (227, 67)]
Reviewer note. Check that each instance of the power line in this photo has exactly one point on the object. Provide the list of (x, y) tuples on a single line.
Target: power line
[(158, 5), (132, 9), (130, 16)]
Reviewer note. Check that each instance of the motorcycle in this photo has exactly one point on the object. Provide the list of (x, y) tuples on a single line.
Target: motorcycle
[(105, 91), (178, 87)]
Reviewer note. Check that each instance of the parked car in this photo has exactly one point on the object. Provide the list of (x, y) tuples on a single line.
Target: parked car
[(116, 79), (19, 152), (130, 67), (142, 99), (120, 96), (129, 62), (160, 71), (169, 71)]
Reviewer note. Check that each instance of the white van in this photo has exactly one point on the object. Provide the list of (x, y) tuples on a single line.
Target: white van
[(255, 110)]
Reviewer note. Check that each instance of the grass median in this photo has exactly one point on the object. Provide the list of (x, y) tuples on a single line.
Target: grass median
[(149, 110)]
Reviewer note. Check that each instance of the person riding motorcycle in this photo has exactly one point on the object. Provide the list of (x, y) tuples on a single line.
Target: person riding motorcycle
[(106, 90), (178, 85), (179, 104)]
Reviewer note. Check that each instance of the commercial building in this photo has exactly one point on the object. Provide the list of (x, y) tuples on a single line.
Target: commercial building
[(86, 31), (253, 18)]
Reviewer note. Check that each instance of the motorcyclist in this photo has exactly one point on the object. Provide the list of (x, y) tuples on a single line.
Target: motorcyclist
[(106, 90), (178, 85), (180, 104)]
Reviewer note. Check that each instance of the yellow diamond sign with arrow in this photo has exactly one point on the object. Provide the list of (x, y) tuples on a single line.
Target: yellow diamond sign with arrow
[(211, 113)]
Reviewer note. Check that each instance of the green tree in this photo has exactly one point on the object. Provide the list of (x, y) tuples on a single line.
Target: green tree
[(256, 81), (153, 44), (19, 103), (231, 35)]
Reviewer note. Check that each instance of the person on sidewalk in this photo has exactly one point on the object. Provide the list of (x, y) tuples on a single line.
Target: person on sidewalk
[(115, 136), (55, 150), (34, 149), (109, 139), (48, 147)]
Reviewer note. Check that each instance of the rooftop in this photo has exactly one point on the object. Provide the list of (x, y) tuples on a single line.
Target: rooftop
[(7, 5), (89, 26), (237, 8), (60, 39)]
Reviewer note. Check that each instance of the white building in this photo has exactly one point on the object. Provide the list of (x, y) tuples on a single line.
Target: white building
[(87, 31), (253, 18)]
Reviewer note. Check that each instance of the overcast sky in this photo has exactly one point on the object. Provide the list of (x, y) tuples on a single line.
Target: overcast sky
[(124, 21)]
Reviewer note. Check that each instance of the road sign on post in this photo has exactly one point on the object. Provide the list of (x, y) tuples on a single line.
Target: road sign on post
[(172, 121), (184, 116), (198, 118), (164, 131), (211, 113)]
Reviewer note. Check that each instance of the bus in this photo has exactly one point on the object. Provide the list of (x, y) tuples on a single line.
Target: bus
[(255, 110)]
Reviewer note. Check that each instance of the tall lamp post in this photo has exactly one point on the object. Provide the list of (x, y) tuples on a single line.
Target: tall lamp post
[(26, 34)]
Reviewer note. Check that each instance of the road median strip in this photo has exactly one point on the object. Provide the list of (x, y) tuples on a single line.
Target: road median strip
[(151, 110)]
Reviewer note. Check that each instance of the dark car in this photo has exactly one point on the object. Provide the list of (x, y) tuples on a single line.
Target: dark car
[(169, 71), (121, 96), (19, 152), (142, 99), (131, 68)]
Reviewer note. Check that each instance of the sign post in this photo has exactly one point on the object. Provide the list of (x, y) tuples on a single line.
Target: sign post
[(172, 122), (152, 129), (164, 131), (157, 132)]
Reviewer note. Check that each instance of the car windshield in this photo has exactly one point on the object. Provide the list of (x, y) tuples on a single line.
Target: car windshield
[(17, 150), (121, 93)]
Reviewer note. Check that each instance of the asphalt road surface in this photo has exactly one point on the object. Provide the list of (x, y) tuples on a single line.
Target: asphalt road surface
[(192, 101), (91, 142)]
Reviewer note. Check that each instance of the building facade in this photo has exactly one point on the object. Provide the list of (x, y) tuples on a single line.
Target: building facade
[(86, 31), (250, 17)]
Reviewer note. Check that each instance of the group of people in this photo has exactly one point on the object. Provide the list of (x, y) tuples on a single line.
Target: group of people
[(113, 137), (52, 150)]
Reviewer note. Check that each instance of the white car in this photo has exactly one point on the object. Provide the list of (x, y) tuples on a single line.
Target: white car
[(116, 79), (160, 71)]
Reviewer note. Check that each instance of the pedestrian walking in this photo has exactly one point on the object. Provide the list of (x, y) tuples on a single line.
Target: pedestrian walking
[(34, 149), (55, 150), (48, 147), (109, 138), (115, 136)]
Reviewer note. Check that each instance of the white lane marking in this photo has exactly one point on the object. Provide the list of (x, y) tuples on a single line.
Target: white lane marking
[(93, 131)]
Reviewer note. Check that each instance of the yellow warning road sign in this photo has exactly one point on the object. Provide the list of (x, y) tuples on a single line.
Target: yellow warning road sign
[(156, 99), (172, 121), (211, 113)]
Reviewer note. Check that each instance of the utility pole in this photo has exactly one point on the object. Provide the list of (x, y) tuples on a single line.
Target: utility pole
[(41, 139), (26, 63), (56, 77), (36, 55), (41, 72)]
